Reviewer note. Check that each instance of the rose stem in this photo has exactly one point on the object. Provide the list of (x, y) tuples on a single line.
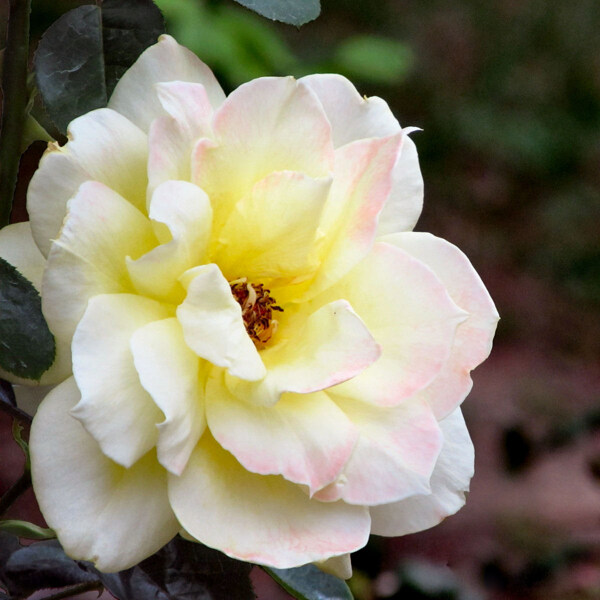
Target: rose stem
[(14, 88)]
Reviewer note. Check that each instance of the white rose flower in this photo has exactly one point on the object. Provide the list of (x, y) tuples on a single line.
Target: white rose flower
[(253, 347)]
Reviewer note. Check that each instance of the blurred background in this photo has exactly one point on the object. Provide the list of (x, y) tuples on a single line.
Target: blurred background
[(507, 93)]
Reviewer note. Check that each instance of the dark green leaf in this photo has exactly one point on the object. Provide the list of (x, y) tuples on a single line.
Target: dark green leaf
[(183, 570), (293, 12), (310, 583), (8, 545), (83, 54), (42, 565), (128, 28), (69, 66), (26, 344)]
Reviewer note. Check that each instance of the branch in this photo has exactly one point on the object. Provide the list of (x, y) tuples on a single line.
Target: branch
[(9, 406), (16, 413), (14, 89), (19, 487)]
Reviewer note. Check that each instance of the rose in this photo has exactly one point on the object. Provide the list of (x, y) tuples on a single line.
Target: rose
[(253, 348)]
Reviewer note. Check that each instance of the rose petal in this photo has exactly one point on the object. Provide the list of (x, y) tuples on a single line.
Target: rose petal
[(172, 138), (307, 438), (100, 230), (213, 326), (339, 566), (449, 482), (395, 454), (361, 185), (103, 146), (266, 125), (403, 207), (216, 498), (135, 95), (97, 508), (473, 340), (272, 232), (410, 314), (114, 407), (170, 373), (352, 116), (185, 209), (188, 103), (311, 354)]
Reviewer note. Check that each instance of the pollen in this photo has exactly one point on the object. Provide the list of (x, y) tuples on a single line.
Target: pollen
[(257, 310)]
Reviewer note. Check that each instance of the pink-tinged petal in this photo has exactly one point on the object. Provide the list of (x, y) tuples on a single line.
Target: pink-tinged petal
[(361, 186), (311, 354), (188, 103), (266, 125), (339, 566), (409, 312), (449, 482), (307, 438), (473, 340), (273, 232), (101, 512), (395, 454), (213, 326), (172, 138), (114, 407), (170, 373), (216, 498), (352, 116), (100, 230), (19, 249), (403, 207), (103, 146), (185, 209), (135, 95)]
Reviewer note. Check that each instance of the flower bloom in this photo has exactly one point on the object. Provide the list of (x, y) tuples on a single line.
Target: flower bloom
[(253, 347)]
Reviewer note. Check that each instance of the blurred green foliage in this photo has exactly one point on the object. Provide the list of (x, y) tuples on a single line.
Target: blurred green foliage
[(236, 43), (375, 59), (241, 45)]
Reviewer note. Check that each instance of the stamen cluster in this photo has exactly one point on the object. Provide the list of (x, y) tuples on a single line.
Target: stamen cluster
[(257, 310)]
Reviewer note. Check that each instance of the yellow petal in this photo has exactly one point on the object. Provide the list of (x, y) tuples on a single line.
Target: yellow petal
[(273, 232)]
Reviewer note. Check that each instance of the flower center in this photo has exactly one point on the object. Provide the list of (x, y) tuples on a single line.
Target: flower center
[(257, 310)]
